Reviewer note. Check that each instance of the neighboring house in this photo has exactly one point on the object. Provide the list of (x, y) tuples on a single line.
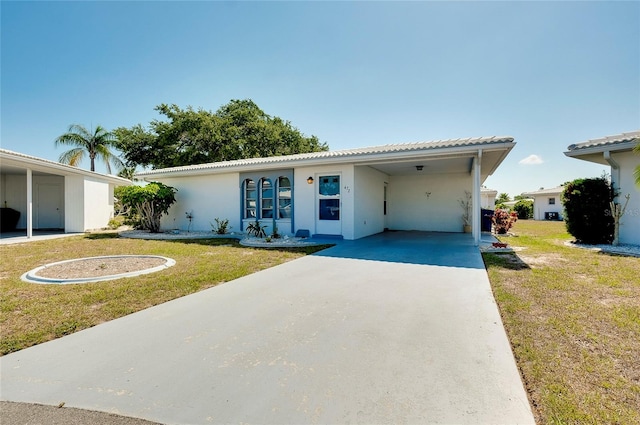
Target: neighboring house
[(488, 198), (617, 152), (350, 194), (54, 196), (547, 203)]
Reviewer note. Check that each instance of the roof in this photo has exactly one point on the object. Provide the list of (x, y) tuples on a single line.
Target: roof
[(551, 191), (618, 142), (17, 162), (391, 151)]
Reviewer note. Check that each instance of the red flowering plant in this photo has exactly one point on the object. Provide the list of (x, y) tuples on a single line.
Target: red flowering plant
[(503, 221)]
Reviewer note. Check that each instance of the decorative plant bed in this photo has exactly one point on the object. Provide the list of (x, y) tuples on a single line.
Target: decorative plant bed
[(96, 269)]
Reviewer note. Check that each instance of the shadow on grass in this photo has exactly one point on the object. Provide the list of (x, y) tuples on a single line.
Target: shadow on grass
[(235, 243), (509, 261), (97, 236)]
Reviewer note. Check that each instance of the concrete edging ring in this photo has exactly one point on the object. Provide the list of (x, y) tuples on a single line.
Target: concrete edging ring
[(32, 275)]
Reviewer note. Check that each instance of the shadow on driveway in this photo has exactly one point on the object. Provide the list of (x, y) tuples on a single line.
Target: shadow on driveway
[(412, 247)]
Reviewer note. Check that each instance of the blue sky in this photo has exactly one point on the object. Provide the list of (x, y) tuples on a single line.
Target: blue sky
[(352, 73)]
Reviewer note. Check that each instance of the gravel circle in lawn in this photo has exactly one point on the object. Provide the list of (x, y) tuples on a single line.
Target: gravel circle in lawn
[(94, 269), (99, 266)]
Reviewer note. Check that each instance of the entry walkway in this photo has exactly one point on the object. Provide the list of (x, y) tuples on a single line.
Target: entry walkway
[(396, 328)]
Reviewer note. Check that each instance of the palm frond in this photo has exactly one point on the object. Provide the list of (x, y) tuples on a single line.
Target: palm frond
[(72, 157)]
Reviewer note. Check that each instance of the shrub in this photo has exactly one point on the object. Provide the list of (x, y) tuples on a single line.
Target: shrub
[(256, 229), (147, 204), (524, 209), (221, 227), (586, 210), (502, 221)]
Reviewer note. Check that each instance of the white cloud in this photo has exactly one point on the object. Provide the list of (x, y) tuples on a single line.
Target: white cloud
[(531, 160)]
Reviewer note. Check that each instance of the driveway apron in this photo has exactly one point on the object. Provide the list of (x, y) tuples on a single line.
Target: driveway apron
[(397, 328)]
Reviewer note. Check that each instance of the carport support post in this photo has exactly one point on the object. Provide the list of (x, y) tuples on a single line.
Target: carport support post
[(29, 203), (475, 199)]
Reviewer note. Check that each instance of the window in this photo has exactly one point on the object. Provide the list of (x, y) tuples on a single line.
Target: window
[(250, 198), (284, 197), (267, 195), (552, 201), (266, 198)]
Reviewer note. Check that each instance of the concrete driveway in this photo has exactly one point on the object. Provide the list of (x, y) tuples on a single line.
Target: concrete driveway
[(396, 328)]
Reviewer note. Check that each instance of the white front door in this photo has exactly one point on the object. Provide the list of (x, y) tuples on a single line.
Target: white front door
[(328, 205), (49, 206)]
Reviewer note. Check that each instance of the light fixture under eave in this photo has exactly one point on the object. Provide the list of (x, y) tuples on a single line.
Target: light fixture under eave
[(310, 180), (419, 167)]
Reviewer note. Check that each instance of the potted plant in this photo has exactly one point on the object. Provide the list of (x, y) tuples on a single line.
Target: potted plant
[(465, 203)]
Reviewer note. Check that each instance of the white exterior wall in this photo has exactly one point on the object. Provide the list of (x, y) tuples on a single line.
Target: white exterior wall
[(74, 204), (207, 197), (488, 200), (304, 197), (541, 206), (369, 201), (427, 203), (624, 182), (98, 204)]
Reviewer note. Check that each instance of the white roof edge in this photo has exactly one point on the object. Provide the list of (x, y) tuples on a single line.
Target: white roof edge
[(391, 151), (551, 190), (68, 169), (617, 142)]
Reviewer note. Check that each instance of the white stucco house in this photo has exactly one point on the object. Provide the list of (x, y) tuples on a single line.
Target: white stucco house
[(488, 198), (54, 196), (617, 152), (347, 194), (547, 203)]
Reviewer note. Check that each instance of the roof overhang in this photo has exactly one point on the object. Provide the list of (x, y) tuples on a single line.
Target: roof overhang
[(597, 150), (18, 163), (446, 156)]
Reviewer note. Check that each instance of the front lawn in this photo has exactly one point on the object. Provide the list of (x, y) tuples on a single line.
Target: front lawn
[(31, 314), (573, 319)]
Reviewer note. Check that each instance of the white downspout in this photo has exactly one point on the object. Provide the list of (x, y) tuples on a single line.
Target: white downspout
[(29, 203), (475, 198), (614, 166)]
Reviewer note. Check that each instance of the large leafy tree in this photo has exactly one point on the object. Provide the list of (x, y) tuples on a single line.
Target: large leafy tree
[(96, 144), (237, 130)]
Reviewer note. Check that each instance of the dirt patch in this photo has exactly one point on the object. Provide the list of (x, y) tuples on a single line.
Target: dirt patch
[(543, 260), (97, 267)]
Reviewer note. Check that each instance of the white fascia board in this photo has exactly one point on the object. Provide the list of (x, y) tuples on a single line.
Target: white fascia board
[(599, 149), (18, 160)]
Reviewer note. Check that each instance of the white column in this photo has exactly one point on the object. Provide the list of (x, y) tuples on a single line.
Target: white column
[(29, 203), (475, 199)]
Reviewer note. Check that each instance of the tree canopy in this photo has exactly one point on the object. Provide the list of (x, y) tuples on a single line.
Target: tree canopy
[(237, 130)]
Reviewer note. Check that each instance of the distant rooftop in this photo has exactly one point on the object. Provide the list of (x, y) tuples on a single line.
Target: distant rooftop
[(550, 191)]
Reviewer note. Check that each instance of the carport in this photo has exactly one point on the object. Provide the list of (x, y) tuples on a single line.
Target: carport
[(53, 196)]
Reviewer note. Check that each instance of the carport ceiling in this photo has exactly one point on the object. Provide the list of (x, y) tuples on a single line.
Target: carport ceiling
[(11, 170), (441, 166), (438, 165)]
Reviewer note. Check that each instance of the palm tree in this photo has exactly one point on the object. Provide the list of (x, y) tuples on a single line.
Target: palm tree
[(96, 144)]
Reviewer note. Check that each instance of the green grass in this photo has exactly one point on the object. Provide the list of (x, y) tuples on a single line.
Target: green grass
[(31, 314), (573, 319)]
